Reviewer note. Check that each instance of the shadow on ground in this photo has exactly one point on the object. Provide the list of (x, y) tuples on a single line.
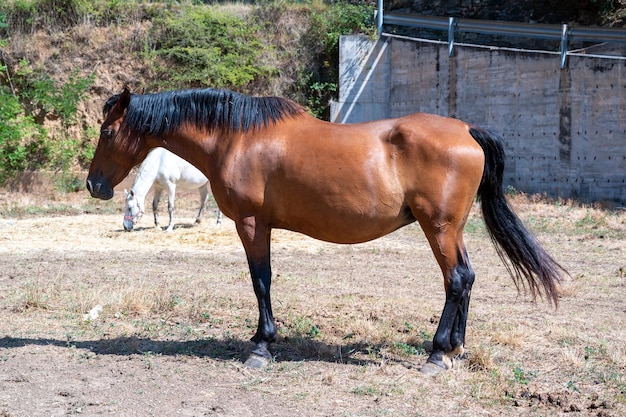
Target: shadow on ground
[(288, 350)]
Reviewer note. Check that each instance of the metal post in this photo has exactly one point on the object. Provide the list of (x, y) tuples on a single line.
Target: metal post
[(564, 47), (379, 17), (451, 26)]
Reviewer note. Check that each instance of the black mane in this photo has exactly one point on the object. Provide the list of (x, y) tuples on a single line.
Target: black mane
[(207, 109)]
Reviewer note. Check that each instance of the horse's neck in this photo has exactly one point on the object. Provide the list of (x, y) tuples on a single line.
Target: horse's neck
[(146, 175), (200, 157)]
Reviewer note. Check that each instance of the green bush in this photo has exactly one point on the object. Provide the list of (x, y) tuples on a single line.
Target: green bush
[(319, 81), (20, 136), (207, 46), (24, 143), (30, 15), (62, 102), (49, 99)]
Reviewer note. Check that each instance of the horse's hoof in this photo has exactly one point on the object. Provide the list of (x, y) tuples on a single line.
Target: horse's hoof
[(256, 361), (438, 360)]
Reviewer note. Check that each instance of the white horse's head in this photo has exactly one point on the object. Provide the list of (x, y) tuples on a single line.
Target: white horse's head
[(132, 212)]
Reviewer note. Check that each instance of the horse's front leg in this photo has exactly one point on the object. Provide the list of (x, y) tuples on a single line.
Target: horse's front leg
[(255, 237), (449, 339)]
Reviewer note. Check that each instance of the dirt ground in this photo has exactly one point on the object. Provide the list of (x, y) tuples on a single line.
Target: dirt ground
[(172, 313)]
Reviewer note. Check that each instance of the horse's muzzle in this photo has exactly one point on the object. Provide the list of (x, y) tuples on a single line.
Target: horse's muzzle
[(128, 225), (99, 189)]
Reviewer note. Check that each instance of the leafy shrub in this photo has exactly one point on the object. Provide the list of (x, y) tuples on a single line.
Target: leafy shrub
[(319, 81), (20, 136), (62, 102), (206, 46), (24, 143), (50, 100), (30, 15)]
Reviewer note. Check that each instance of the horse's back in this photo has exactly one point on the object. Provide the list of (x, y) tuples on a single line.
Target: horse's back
[(415, 150), (350, 183)]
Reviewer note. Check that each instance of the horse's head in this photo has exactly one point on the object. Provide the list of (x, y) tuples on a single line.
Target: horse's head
[(132, 212), (119, 149)]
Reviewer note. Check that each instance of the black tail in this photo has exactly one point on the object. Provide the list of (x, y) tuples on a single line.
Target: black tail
[(519, 250)]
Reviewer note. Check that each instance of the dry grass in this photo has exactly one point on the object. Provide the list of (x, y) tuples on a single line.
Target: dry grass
[(178, 309)]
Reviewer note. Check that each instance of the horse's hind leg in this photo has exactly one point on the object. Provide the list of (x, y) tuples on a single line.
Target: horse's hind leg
[(155, 203), (446, 240), (457, 337), (171, 190), (449, 339), (204, 199)]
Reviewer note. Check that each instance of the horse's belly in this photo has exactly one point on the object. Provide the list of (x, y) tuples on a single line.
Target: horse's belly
[(343, 225)]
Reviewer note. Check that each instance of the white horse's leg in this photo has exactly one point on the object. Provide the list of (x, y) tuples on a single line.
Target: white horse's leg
[(204, 199), (155, 203), (171, 189)]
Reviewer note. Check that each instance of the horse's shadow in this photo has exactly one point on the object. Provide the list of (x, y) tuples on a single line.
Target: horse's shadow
[(289, 350), (137, 229)]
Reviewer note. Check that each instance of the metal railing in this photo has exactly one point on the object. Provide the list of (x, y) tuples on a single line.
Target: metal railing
[(452, 25)]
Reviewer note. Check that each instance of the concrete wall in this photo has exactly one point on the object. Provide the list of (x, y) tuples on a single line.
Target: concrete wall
[(564, 129)]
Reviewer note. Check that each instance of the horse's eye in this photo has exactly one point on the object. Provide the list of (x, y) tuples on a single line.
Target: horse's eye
[(107, 133)]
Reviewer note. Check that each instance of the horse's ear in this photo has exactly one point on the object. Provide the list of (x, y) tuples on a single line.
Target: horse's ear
[(124, 99)]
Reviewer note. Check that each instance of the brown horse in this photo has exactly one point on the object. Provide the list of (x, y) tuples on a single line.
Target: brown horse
[(271, 165)]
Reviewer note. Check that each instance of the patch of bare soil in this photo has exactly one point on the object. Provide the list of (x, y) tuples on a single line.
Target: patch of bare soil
[(172, 313)]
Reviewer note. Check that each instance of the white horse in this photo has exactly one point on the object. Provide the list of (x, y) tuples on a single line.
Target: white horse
[(166, 171)]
